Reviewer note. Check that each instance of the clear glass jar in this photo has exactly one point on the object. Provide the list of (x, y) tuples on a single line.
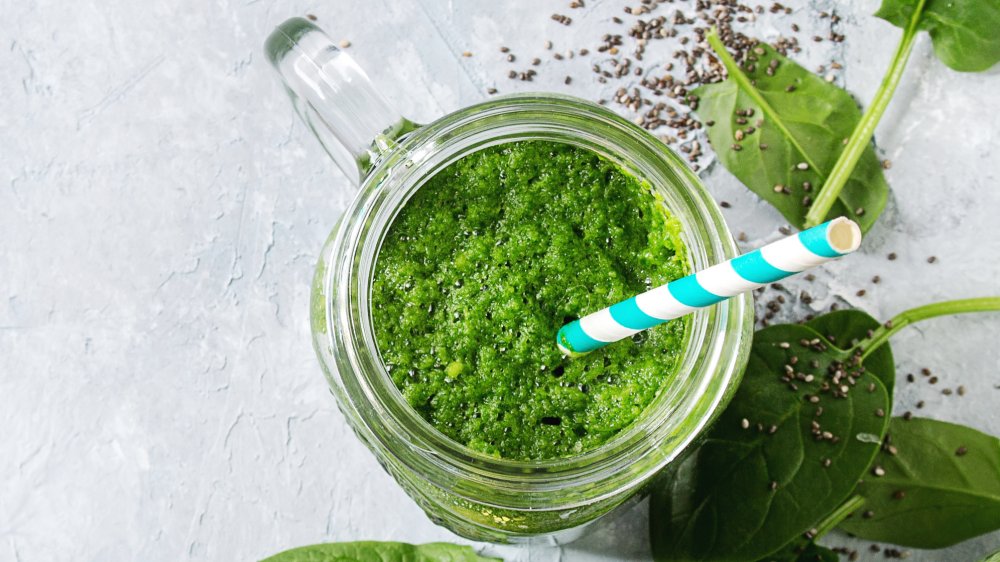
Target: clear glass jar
[(474, 495)]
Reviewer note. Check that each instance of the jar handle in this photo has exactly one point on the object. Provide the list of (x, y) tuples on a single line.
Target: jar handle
[(333, 95)]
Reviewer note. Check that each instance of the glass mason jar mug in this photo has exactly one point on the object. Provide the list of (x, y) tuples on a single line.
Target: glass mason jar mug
[(473, 494)]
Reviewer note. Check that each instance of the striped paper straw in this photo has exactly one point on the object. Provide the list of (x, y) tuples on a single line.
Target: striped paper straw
[(771, 263)]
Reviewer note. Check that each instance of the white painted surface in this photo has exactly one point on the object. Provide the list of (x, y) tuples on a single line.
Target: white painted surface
[(161, 207)]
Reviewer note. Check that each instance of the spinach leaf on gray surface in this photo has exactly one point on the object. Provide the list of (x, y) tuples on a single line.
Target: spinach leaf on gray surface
[(940, 485), (374, 551), (783, 454), (964, 32), (779, 129), (801, 430), (965, 38)]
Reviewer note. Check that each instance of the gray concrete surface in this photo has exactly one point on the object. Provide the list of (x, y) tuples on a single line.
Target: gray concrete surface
[(161, 209)]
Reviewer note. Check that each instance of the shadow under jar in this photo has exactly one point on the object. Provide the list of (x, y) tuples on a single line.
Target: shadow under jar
[(475, 495)]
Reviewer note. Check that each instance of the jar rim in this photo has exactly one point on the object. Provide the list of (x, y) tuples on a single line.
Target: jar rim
[(715, 351)]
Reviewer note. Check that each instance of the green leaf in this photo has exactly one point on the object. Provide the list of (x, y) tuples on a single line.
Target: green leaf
[(964, 32), (374, 551), (808, 125), (947, 496), (718, 503)]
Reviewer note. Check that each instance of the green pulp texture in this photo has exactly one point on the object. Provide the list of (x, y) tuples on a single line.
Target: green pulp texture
[(485, 263)]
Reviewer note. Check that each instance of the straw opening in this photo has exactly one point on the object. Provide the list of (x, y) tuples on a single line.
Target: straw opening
[(844, 235)]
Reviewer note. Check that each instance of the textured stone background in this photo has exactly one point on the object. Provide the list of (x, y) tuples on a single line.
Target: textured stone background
[(160, 212)]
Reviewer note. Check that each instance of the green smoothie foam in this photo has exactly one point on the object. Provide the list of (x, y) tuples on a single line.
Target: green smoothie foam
[(485, 263)]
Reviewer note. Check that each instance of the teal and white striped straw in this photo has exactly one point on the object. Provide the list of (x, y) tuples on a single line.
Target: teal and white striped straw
[(773, 262)]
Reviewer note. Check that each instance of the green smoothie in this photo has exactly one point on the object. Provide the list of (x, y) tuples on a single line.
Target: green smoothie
[(485, 263)]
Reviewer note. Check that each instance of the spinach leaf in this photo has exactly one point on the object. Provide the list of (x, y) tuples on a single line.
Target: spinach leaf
[(800, 431), (771, 118), (965, 38), (964, 32), (941, 487), (374, 551), (764, 475)]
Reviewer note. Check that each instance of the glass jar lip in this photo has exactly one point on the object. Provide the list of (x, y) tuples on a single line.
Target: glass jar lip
[(428, 451)]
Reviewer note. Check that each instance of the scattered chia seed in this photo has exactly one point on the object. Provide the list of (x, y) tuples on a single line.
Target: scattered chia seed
[(898, 495), (745, 423), (892, 256), (564, 20), (662, 97), (344, 43), (961, 451), (932, 259), (877, 470), (311, 17)]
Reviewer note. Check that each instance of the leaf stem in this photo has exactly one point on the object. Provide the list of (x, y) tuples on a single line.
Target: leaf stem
[(865, 128), (836, 516), (902, 320), (734, 72)]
